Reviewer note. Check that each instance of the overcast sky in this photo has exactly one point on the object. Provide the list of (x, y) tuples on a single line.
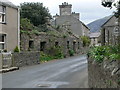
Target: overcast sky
[(89, 10)]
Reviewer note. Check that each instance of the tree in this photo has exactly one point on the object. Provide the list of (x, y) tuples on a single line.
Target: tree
[(35, 12)]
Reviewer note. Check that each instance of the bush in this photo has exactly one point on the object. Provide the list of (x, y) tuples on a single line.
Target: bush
[(45, 57), (71, 52), (16, 49), (56, 52), (85, 40)]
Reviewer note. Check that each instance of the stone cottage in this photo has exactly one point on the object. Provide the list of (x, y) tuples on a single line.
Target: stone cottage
[(70, 19), (110, 31), (95, 39), (9, 26)]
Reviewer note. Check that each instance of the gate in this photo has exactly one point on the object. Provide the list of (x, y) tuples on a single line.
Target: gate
[(6, 60)]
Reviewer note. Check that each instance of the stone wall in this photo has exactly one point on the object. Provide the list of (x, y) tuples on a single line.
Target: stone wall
[(50, 41), (104, 75), (26, 59)]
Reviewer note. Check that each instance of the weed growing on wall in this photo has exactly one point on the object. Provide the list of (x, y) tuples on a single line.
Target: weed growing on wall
[(16, 49), (99, 53)]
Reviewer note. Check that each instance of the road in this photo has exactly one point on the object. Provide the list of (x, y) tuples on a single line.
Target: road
[(65, 73)]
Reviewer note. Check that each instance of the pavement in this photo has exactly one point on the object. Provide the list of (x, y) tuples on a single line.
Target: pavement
[(65, 73)]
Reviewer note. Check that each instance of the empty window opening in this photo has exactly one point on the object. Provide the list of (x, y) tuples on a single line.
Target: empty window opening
[(78, 45), (74, 46), (31, 44), (56, 44), (42, 46), (68, 46)]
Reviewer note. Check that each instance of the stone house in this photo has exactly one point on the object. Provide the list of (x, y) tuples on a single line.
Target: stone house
[(70, 19), (95, 39), (9, 26), (109, 31)]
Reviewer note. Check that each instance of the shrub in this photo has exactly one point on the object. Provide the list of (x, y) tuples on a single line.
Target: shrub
[(45, 57), (85, 40), (71, 52), (56, 52), (16, 49)]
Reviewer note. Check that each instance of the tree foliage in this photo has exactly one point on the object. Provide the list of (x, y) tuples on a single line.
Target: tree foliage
[(25, 24), (35, 12), (85, 40)]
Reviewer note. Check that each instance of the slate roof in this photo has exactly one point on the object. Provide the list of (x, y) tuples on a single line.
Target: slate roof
[(7, 3), (93, 35)]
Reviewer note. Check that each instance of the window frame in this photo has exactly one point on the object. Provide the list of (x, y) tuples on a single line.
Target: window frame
[(2, 42), (3, 15)]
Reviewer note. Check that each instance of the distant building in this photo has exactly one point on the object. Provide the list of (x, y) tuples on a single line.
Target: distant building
[(9, 25), (70, 20), (110, 31), (95, 39)]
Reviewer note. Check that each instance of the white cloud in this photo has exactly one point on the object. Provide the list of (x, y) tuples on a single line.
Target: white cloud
[(89, 9)]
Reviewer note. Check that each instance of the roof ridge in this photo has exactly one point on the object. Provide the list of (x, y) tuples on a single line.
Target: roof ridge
[(7, 3)]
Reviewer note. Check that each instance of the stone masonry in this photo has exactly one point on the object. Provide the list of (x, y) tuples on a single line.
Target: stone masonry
[(26, 59), (103, 75), (43, 41)]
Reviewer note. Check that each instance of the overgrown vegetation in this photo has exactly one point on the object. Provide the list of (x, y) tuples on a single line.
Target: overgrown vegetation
[(99, 53), (71, 52), (26, 25), (16, 49), (54, 53), (45, 57), (85, 40)]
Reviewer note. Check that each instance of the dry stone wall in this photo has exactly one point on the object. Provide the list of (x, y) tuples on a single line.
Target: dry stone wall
[(104, 75), (26, 59)]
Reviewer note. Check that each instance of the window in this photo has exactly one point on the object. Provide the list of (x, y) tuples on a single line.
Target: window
[(2, 14), (108, 37), (2, 41)]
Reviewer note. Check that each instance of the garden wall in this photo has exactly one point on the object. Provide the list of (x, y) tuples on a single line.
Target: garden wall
[(26, 59), (104, 75)]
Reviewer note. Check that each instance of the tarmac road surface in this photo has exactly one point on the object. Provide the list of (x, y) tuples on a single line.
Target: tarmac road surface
[(65, 73)]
